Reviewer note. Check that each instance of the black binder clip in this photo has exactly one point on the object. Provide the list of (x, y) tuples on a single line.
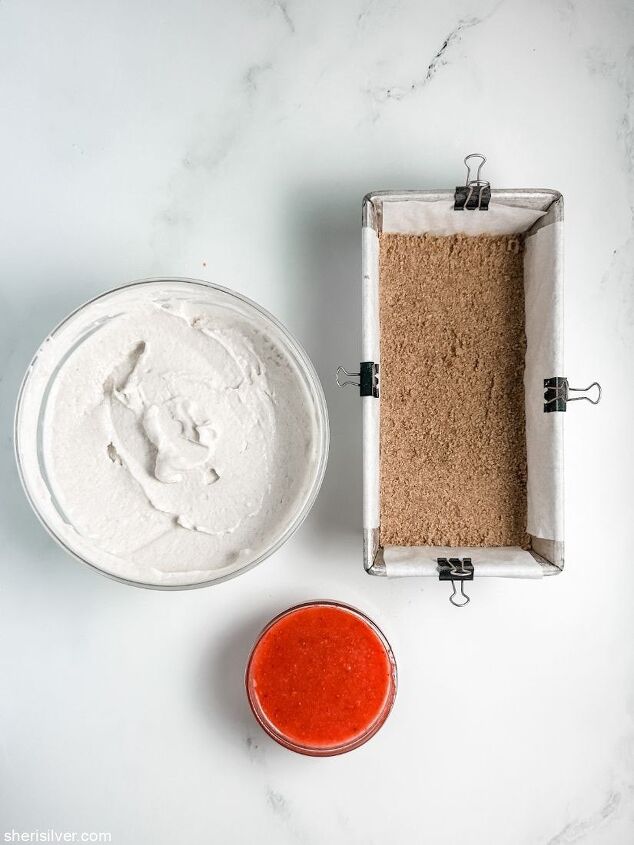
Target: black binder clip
[(557, 393), (368, 376), (477, 192), (456, 569)]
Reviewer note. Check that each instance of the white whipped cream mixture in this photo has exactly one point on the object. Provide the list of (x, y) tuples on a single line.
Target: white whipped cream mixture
[(178, 439)]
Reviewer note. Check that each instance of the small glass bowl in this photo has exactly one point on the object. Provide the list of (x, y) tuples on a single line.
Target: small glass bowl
[(318, 750), (39, 377)]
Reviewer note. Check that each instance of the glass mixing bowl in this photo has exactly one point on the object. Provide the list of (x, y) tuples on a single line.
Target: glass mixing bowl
[(82, 323)]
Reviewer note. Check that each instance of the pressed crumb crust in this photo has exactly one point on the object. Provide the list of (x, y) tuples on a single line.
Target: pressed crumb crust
[(453, 433)]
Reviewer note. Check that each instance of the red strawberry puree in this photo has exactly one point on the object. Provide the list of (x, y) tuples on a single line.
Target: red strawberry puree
[(321, 679)]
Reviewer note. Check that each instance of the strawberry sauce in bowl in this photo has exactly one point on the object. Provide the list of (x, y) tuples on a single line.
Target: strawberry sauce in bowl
[(321, 678)]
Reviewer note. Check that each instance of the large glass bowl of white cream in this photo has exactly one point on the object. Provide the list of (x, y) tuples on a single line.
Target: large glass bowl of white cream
[(171, 433)]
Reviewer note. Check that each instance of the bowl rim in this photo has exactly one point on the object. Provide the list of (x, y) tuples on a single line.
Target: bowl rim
[(314, 384)]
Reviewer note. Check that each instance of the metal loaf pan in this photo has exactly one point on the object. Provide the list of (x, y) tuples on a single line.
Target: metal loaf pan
[(476, 209)]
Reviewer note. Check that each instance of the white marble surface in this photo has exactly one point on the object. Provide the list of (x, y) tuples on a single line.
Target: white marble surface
[(233, 141)]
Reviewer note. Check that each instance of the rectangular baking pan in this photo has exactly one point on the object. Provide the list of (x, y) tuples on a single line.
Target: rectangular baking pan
[(538, 214), (475, 209)]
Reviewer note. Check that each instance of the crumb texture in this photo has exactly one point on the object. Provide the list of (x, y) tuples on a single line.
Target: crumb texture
[(453, 434)]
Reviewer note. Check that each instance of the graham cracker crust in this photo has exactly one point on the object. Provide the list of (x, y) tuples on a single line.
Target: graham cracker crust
[(453, 433)]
